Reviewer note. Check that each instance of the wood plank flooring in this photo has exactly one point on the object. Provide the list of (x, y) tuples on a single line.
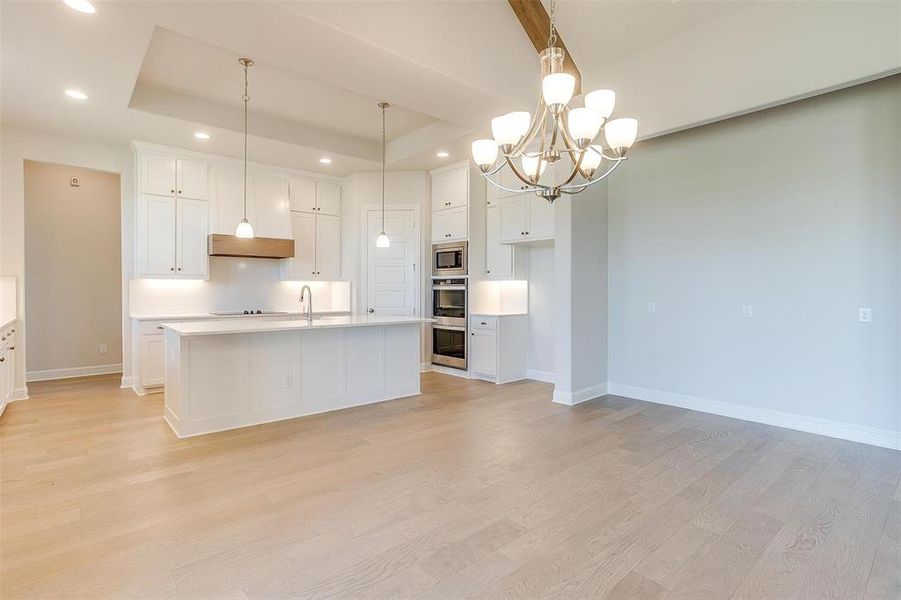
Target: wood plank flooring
[(468, 491)]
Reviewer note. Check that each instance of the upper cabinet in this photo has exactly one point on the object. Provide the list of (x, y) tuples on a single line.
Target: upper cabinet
[(167, 176), (525, 218), (450, 204), (270, 216), (315, 196)]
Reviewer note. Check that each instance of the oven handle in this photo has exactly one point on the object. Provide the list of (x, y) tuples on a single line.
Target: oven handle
[(450, 327), (449, 287)]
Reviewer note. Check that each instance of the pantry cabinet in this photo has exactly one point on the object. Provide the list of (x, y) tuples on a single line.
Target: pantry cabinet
[(450, 204), (172, 234), (316, 229)]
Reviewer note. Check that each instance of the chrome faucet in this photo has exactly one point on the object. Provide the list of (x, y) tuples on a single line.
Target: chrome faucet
[(307, 293)]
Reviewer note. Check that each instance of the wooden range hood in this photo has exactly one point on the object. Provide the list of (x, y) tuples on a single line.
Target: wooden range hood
[(255, 247)]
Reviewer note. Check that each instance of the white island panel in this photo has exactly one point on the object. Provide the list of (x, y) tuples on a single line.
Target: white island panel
[(223, 379)]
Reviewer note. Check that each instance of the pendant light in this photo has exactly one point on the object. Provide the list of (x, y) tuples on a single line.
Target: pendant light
[(382, 241), (245, 229)]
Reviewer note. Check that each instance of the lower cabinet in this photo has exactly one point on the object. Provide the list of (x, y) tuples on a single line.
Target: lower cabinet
[(497, 349), (7, 366)]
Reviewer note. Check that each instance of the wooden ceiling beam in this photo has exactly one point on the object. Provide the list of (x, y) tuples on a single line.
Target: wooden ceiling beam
[(536, 22)]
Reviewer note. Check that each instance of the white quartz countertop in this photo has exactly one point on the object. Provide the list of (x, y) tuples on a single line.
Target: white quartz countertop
[(206, 315), (260, 326)]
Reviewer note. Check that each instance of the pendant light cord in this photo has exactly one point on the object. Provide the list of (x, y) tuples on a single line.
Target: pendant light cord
[(245, 98), (383, 106)]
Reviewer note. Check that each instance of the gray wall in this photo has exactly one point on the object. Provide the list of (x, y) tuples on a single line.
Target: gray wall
[(73, 290), (795, 211)]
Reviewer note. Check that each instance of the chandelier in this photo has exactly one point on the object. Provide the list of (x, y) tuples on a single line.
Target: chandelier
[(556, 130)]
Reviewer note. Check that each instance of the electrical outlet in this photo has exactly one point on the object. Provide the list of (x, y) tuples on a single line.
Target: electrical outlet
[(289, 381), (103, 349), (747, 311), (864, 315), (652, 308)]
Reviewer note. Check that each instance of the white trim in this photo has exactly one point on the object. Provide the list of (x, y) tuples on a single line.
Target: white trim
[(451, 167), (20, 393), (546, 376), (2, 408), (874, 436), (425, 367), (127, 382), (579, 396), (68, 373)]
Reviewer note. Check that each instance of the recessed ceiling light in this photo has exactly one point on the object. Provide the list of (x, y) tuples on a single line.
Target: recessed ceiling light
[(201, 135), (76, 94), (442, 154), (81, 6), (325, 160)]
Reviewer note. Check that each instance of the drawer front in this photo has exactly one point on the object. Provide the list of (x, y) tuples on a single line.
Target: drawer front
[(479, 322)]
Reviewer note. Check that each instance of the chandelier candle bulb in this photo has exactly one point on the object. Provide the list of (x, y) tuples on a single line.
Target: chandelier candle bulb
[(584, 125), (557, 90), (484, 153), (602, 101), (621, 134)]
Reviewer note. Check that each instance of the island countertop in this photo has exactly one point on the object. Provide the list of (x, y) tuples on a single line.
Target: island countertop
[(256, 326)]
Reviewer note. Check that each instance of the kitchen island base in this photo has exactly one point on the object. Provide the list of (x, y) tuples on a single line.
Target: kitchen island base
[(221, 381)]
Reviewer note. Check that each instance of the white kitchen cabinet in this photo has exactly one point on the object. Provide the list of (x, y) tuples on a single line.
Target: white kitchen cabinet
[(450, 189), (156, 235), (317, 247), (302, 194), (526, 218), (7, 364), (449, 225), (328, 198), (172, 237), (170, 176), (270, 207), (158, 174), (311, 196), (153, 360), (192, 227), (499, 257), (228, 201), (498, 347), (328, 247), (191, 179)]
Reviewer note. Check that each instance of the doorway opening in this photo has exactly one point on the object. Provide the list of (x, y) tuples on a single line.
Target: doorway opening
[(73, 272)]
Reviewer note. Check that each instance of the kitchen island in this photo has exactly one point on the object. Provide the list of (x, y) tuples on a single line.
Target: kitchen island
[(228, 374)]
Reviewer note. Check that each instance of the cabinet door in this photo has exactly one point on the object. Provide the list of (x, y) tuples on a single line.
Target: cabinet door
[(456, 224), (513, 219), (270, 201), (303, 230), (328, 199), (153, 359), (191, 180), (156, 235), (450, 189), (328, 247), (541, 218), (157, 175), (228, 203), (6, 372), (483, 352), (191, 232), (302, 194), (439, 227), (498, 256)]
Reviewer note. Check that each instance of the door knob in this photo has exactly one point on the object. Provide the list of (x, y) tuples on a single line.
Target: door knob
[(372, 310)]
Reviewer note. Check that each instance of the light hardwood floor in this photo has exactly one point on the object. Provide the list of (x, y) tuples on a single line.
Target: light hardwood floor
[(470, 490)]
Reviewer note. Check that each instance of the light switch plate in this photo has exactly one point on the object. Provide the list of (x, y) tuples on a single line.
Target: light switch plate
[(864, 315), (652, 307), (747, 311)]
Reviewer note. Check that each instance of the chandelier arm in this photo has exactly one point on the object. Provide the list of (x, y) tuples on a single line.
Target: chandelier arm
[(575, 171), (541, 113), (567, 142), (575, 189), (522, 177), (506, 189)]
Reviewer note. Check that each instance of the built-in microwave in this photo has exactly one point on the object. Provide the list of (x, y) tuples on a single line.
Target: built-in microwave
[(449, 259)]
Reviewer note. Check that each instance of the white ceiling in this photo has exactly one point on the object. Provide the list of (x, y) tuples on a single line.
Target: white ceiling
[(158, 71)]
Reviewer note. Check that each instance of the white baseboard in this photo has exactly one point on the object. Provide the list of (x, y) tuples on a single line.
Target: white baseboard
[(20, 393), (449, 371), (546, 376), (579, 396), (873, 436), (425, 367), (127, 382), (68, 373)]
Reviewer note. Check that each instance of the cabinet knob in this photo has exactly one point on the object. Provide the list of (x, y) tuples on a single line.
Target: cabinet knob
[(483, 323), (179, 191), (472, 333), (159, 326), (171, 191), (179, 268), (12, 347), (171, 268), (372, 310), (2, 359)]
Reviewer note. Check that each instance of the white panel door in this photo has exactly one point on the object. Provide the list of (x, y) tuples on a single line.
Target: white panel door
[(328, 199), (514, 216), (229, 199), (483, 352), (191, 234), (157, 175), (303, 230), (498, 256), (156, 232), (541, 218), (302, 194), (391, 273), (328, 247), (191, 179), (270, 201)]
